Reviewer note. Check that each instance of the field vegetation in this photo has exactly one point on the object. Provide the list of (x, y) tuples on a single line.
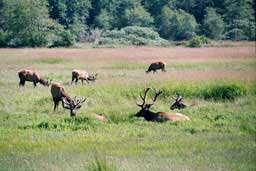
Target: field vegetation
[(218, 86)]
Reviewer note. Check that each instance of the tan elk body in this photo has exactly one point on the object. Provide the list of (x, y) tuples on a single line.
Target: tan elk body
[(159, 65), (59, 94), (31, 76), (82, 75), (157, 116), (99, 117)]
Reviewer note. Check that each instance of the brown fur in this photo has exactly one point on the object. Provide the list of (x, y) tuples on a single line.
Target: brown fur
[(57, 91), (80, 75), (156, 116), (99, 117), (172, 116), (31, 76), (157, 66)]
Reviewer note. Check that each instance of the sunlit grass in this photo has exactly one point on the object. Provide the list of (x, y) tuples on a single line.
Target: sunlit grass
[(220, 135)]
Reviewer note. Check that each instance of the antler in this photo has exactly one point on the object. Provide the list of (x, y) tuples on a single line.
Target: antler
[(179, 98), (143, 97), (65, 102), (78, 101), (157, 93)]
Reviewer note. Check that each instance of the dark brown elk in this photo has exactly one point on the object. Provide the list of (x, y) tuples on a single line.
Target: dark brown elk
[(83, 75), (178, 104), (156, 66), (31, 76), (156, 116), (59, 94)]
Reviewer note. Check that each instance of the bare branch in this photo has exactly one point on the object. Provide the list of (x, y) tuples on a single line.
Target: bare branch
[(143, 97), (157, 93)]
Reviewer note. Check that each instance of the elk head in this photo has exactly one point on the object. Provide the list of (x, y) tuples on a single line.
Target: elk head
[(178, 104), (73, 105), (92, 77), (144, 112)]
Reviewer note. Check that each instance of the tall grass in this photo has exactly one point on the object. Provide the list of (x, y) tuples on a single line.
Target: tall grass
[(220, 135)]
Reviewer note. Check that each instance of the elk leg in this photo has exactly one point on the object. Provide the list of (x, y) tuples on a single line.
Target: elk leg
[(22, 83), (82, 81), (34, 84), (73, 78), (56, 103), (76, 80)]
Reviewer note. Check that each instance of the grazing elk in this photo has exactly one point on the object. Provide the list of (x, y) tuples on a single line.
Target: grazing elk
[(158, 116), (178, 104), (156, 66), (59, 94), (83, 75), (32, 76)]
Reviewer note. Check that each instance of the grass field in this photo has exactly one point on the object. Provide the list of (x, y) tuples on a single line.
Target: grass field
[(221, 135)]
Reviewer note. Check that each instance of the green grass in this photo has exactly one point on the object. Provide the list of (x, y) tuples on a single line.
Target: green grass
[(220, 135)]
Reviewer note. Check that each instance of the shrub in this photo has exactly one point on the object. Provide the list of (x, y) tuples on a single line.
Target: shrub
[(198, 41), (132, 35), (224, 92), (64, 38)]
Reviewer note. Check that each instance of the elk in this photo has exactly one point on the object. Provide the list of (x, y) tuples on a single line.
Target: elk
[(156, 66), (32, 76), (156, 116), (83, 75), (99, 117), (178, 104), (59, 94)]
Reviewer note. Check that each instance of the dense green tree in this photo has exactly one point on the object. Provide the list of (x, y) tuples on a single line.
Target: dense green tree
[(176, 24), (104, 20), (154, 6), (240, 19), (26, 22), (72, 15), (138, 16), (213, 24)]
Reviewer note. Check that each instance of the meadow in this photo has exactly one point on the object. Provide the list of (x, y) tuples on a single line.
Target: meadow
[(218, 85)]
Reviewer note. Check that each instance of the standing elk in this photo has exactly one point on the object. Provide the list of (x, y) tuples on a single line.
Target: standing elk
[(178, 104), (156, 116), (83, 75), (156, 66), (59, 94), (31, 76)]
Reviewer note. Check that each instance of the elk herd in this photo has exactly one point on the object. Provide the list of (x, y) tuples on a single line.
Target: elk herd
[(59, 94)]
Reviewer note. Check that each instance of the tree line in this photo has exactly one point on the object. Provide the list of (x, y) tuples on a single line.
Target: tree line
[(36, 23)]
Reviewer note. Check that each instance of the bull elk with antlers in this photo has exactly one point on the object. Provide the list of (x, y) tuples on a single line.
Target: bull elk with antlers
[(59, 94), (31, 76), (82, 75), (178, 104), (156, 66), (156, 116)]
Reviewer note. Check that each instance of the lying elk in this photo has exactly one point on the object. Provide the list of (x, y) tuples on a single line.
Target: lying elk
[(83, 75), (59, 94), (32, 76), (178, 104), (158, 116), (156, 66), (99, 117)]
